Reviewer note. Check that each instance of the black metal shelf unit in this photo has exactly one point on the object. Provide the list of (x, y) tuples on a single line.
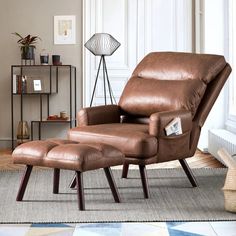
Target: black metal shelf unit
[(72, 96)]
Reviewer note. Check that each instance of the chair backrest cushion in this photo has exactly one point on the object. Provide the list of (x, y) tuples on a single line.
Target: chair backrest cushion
[(169, 81)]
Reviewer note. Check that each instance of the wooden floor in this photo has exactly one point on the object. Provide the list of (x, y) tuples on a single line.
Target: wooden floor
[(199, 160)]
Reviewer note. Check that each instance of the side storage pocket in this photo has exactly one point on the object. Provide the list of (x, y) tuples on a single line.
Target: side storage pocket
[(173, 147)]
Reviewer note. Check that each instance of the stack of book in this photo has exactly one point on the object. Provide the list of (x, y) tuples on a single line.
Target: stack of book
[(19, 84)]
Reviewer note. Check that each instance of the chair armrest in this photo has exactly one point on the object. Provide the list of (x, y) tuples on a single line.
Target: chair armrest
[(159, 120), (98, 115)]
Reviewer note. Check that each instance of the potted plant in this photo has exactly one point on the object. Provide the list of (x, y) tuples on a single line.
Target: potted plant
[(27, 45)]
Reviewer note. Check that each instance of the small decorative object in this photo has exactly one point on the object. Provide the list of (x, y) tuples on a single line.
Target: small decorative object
[(56, 60), (57, 118), (27, 46), (23, 130), (63, 114), (64, 29), (230, 181), (37, 85), (102, 44), (44, 58)]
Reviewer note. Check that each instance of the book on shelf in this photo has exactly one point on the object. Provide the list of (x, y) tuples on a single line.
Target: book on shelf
[(19, 84), (174, 127)]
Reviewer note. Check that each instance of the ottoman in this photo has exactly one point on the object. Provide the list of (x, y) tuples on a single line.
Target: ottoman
[(70, 155)]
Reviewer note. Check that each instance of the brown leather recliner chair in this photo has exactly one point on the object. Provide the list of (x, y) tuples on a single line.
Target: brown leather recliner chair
[(163, 86)]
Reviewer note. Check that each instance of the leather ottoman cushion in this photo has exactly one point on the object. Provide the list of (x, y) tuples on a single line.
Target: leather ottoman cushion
[(83, 157), (32, 153), (132, 139), (66, 154)]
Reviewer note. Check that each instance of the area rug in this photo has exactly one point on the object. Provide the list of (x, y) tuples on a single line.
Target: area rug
[(172, 198)]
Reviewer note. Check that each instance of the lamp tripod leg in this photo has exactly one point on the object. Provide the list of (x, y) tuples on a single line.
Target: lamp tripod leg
[(104, 80), (108, 83), (95, 84)]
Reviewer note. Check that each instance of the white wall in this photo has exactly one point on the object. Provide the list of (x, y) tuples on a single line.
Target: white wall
[(119, 19), (215, 40), (143, 26)]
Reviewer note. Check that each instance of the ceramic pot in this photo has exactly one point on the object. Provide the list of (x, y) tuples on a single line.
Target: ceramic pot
[(27, 53), (56, 60)]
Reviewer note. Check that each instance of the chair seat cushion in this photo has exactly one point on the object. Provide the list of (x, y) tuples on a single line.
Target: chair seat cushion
[(83, 157), (132, 139)]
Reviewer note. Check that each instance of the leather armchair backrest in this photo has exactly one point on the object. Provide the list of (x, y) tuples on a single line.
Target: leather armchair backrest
[(180, 66), (207, 102), (165, 81)]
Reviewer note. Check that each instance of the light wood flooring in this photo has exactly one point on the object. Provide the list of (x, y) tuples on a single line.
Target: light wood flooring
[(199, 160)]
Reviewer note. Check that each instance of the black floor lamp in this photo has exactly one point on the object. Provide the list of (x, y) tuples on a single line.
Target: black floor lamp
[(102, 44)]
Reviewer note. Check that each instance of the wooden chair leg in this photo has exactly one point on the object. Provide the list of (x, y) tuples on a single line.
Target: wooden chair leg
[(188, 172), (73, 182), (125, 170), (24, 182), (80, 190), (143, 174), (56, 180), (112, 184)]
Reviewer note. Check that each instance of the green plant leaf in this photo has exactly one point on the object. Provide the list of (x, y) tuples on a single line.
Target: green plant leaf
[(17, 34), (27, 40)]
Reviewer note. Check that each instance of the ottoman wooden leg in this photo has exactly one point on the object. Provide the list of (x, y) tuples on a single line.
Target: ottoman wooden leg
[(125, 170), (56, 180), (112, 184), (80, 190), (24, 182), (73, 182)]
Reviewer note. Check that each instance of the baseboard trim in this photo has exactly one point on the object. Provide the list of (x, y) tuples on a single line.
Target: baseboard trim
[(5, 143)]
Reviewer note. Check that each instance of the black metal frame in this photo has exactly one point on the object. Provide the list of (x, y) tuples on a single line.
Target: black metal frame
[(72, 73), (105, 80)]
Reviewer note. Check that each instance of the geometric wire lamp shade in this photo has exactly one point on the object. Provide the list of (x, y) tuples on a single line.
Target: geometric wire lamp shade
[(102, 44)]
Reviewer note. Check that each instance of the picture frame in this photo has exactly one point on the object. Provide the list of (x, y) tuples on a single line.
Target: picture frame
[(37, 85), (64, 29)]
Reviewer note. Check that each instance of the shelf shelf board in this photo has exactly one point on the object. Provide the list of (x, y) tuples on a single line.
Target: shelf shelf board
[(34, 93), (52, 121), (45, 66)]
